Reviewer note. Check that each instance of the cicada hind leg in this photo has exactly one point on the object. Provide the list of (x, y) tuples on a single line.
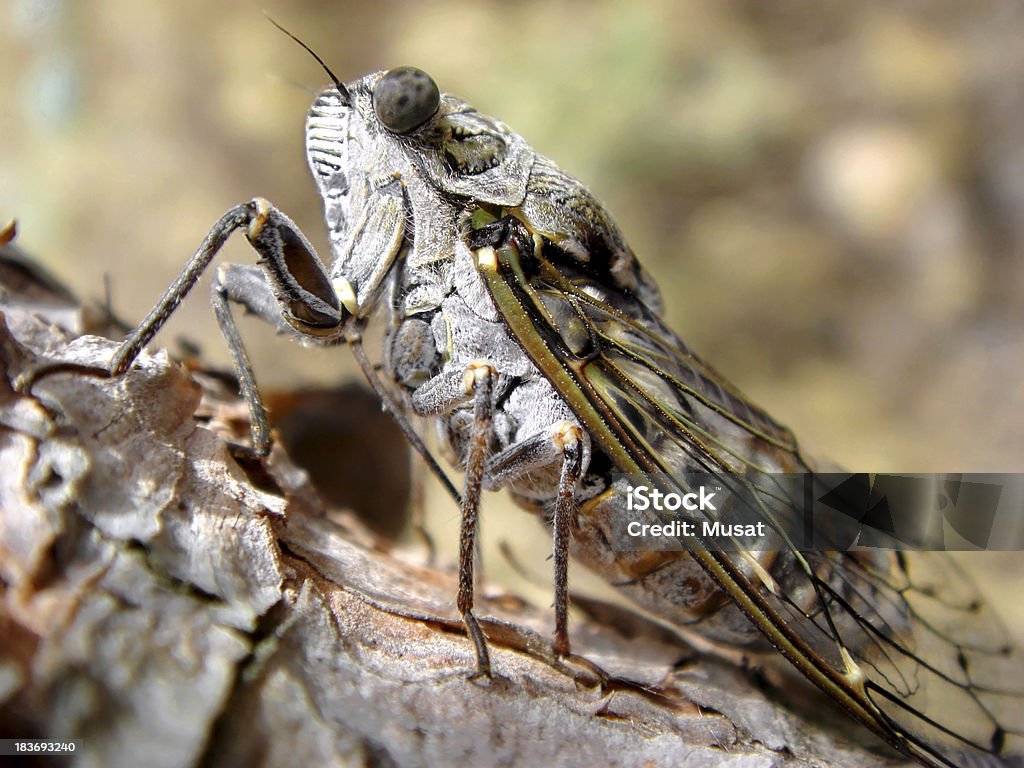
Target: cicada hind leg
[(563, 443), (479, 381)]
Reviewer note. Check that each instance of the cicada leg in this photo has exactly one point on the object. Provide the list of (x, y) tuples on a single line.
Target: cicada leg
[(479, 380), (563, 443), (565, 439), (289, 289), (568, 439)]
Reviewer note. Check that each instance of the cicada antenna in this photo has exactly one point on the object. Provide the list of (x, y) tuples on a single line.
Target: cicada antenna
[(342, 90)]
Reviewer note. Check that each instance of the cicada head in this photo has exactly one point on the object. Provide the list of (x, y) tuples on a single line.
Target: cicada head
[(392, 138), (398, 122)]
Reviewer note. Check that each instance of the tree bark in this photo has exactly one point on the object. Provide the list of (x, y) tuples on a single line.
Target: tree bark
[(170, 602)]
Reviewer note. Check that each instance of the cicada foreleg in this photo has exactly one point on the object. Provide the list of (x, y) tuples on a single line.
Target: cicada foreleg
[(289, 289)]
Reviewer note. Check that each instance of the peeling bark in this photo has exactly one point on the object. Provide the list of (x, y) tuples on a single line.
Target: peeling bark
[(170, 603)]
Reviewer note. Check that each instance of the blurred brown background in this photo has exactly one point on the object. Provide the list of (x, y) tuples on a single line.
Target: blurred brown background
[(831, 195)]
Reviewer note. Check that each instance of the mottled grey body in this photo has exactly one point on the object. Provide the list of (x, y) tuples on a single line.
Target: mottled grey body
[(399, 212)]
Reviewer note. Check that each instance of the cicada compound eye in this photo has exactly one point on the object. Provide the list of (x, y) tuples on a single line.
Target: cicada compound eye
[(405, 98)]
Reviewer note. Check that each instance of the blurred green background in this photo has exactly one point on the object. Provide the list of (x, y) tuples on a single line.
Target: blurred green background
[(831, 195)]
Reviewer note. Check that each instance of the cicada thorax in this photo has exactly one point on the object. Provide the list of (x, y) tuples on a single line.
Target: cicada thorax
[(439, 322)]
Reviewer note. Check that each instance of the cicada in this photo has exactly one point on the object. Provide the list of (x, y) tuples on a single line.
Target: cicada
[(514, 317)]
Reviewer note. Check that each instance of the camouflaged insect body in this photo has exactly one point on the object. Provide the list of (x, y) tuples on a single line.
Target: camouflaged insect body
[(399, 210)]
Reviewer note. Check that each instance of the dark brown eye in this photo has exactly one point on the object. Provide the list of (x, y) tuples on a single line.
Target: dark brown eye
[(405, 99)]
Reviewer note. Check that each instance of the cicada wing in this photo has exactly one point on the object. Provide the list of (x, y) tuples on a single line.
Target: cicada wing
[(902, 641)]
